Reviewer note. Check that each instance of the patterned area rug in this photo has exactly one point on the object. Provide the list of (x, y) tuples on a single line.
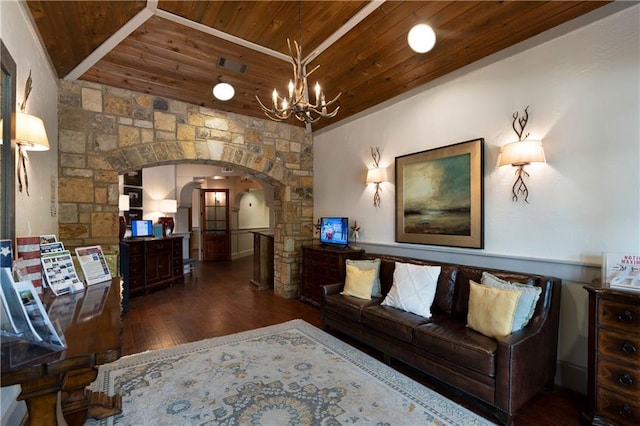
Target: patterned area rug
[(287, 374)]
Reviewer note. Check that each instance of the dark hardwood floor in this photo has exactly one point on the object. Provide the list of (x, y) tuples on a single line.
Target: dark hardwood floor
[(222, 301)]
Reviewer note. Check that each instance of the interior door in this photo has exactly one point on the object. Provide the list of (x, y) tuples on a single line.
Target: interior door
[(216, 236)]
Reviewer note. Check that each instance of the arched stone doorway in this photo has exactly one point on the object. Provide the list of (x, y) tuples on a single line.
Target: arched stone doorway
[(105, 132)]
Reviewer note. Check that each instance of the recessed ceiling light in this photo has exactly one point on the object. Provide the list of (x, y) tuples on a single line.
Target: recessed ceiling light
[(223, 91), (421, 38)]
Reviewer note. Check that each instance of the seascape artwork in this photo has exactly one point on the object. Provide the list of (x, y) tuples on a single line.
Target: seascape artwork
[(438, 196)]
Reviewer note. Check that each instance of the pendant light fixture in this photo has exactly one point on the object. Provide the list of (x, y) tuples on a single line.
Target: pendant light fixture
[(297, 103)]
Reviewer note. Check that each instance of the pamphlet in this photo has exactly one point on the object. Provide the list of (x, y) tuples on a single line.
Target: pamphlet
[(28, 249), (621, 270), (94, 266), (60, 272)]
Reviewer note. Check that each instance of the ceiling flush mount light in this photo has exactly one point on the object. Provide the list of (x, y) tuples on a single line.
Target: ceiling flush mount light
[(376, 175), (521, 153), (297, 102), (223, 91), (421, 38)]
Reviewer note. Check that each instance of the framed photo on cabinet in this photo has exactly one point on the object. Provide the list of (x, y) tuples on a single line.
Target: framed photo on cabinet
[(439, 196), (133, 178), (135, 196)]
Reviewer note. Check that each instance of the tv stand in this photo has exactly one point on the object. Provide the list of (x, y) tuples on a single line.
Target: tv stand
[(323, 264)]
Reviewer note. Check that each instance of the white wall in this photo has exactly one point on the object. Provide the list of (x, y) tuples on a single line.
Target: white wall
[(36, 214), (582, 86)]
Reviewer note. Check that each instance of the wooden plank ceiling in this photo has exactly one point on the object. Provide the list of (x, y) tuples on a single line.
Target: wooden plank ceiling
[(171, 51)]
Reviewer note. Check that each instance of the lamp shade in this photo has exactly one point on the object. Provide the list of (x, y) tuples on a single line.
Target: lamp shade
[(376, 175), (522, 152), (30, 133), (123, 203), (168, 206)]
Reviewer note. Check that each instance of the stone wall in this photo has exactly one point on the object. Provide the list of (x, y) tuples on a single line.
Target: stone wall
[(105, 132)]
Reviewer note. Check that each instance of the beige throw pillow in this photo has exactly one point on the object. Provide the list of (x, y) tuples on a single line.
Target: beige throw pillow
[(359, 282), (529, 295), (491, 309)]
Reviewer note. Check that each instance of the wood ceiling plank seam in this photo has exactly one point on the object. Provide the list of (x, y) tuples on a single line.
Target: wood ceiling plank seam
[(351, 23), (198, 43), (220, 34), (193, 71), (150, 38), (435, 55), (370, 62), (346, 61), (109, 44), (66, 54)]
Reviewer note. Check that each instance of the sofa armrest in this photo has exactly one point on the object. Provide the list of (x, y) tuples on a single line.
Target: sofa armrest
[(526, 360), (332, 289)]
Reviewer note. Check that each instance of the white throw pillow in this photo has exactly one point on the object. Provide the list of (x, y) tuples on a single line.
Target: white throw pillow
[(414, 288)]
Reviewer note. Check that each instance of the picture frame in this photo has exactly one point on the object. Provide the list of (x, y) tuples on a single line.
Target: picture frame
[(132, 214), (439, 196), (135, 196), (133, 178)]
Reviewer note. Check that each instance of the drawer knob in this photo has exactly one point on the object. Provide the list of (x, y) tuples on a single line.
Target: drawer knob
[(628, 348), (626, 317), (625, 379), (625, 411)]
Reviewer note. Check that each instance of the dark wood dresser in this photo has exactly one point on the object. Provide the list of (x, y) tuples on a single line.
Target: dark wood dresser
[(614, 357), (150, 262), (323, 265)]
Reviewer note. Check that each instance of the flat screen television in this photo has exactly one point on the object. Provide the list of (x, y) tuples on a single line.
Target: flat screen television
[(141, 228), (334, 230)]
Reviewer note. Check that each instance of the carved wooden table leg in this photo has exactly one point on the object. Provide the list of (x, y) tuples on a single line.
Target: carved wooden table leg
[(101, 405), (41, 397)]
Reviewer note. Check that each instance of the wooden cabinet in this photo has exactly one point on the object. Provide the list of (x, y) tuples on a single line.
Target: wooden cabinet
[(323, 265), (614, 357), (148, 263)]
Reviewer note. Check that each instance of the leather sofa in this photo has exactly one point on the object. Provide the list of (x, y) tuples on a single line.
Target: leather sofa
[(502, 372)]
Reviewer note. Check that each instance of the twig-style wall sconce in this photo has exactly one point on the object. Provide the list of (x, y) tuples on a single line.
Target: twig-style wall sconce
[(30, 136), (521, 153), (376, 175)]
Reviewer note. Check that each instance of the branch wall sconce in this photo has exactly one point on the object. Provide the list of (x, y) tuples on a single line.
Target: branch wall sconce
[(521, 153), (376, 175), (30, 136)]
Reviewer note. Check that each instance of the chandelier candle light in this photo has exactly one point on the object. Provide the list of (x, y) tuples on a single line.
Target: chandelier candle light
[(297, 102)]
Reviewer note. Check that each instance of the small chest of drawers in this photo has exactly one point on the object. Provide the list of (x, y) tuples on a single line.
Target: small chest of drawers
[(614, 357)]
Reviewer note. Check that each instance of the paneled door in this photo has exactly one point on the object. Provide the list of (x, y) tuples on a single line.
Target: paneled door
[(216, 237)]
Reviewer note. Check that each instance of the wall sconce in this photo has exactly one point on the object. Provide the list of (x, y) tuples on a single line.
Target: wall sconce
[(521, 153), (376, 175), (123, 206), (168, 224), (30, 136)]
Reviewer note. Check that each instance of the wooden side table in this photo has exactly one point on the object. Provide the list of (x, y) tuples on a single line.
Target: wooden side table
[(93, 337), (614, 357)]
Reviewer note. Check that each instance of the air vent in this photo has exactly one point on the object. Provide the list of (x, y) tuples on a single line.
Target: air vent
[(231, 65)]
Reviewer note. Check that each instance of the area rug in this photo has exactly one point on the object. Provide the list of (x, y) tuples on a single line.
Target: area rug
[(287, 374)]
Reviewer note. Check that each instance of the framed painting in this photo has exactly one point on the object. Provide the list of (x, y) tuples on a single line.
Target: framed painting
[(133, 178), (439, 196), (133, 214), (135, 196)]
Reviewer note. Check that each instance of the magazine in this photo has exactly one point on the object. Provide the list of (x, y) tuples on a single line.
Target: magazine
[(621, 270), (60, 272), (28, 260), (93, 264), (27, 331)]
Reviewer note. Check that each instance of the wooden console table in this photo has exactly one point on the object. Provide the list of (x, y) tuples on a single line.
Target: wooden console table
[(93, 337)]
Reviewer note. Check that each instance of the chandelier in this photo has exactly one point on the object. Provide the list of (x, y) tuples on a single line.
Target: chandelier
[(297, 102)]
